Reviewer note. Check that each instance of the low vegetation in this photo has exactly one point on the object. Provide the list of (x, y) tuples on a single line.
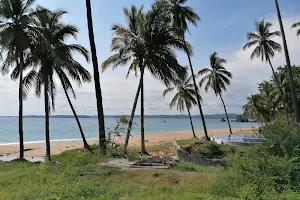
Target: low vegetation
[(210, 149), (267, 171)]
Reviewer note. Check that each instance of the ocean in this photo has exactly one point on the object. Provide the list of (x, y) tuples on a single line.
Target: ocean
[(66, 128)]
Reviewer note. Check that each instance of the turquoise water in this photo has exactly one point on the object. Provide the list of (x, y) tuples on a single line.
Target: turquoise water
[(66, 128)]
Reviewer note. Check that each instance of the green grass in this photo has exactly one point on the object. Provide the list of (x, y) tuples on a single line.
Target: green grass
[(78, 175), (199, 146), (185, 142)]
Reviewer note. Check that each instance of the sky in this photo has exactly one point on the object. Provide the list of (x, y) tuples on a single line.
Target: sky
[(223, 28)]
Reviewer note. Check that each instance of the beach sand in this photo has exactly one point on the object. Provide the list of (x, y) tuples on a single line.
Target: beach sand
[(38, 149)]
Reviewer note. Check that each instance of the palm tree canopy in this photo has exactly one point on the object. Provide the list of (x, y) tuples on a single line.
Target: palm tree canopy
[(216, 77), (146, 40), (53, 56), (265, 47), (181, 15), (15, 30), (295, 26), (15, 17), (256, 109), (185, 96)]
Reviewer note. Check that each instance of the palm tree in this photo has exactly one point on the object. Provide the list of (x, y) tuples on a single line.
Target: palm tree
[(14, 41), (295, 26), (101, 124), (148, 42), (52, 56), (265, 48), (288, 65), (182, 15), (133, 17), (256, 109), (216, 78), (268, 97), (185, 96)]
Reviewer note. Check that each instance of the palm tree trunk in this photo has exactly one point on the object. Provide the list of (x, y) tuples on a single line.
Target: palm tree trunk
[(132, 116), (85, 144), (288, 65), (21, 134), (280, 91), (230, 130), (194, 135), (143, 146), (47, 128), (198, 96), (101, 124)]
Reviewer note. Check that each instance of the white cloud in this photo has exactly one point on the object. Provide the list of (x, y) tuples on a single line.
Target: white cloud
[(118, 93)]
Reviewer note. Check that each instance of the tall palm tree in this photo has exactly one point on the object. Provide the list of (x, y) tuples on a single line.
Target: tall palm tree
[(53, 57), (148, 42), (182, 15), (216, 78), (288, 65), (15, 18), (265, 48), (101, 124), (133, 17), (185, 96), (297, 24)]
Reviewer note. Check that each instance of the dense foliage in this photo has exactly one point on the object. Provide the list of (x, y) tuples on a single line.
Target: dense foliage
[(269, 169), (267, 105)]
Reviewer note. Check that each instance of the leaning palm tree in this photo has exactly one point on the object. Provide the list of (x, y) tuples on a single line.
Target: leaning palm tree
[(288, 65), (216, 78), (297, 24), (101, 124), (147, 42), (185, 96), (265, 48), (133, 17), (181, 16), (15, 18), (52, 56)]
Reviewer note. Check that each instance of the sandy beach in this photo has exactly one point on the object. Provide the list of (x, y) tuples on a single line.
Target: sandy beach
[(38, 149)]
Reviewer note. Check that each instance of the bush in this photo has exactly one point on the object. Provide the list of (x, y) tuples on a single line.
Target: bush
[(207, 149), (282, 140), (269, 169)]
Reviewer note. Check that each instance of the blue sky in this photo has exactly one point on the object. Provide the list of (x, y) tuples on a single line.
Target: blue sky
[(223, 28)]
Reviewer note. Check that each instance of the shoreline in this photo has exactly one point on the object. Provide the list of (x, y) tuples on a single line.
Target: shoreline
[(37, 148)]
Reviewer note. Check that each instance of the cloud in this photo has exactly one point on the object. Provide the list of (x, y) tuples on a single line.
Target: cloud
[(119, 93)]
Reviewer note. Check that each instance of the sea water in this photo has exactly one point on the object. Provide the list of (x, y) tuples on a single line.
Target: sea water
[(66, 128)]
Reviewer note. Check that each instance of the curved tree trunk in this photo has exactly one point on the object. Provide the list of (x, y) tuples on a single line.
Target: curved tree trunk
[(198, 97), (288, 65), (21, 133), (47, 128), (143, 146), (194, 135), (132, 116), (230, 130), (101, 124), (85, 144), (280, 91)]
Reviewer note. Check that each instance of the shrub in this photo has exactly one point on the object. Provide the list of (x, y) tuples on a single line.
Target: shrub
[(272, 168)]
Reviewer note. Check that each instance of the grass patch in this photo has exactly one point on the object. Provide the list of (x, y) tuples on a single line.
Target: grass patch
[(185, 142), (79, 175), (210, 149)]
